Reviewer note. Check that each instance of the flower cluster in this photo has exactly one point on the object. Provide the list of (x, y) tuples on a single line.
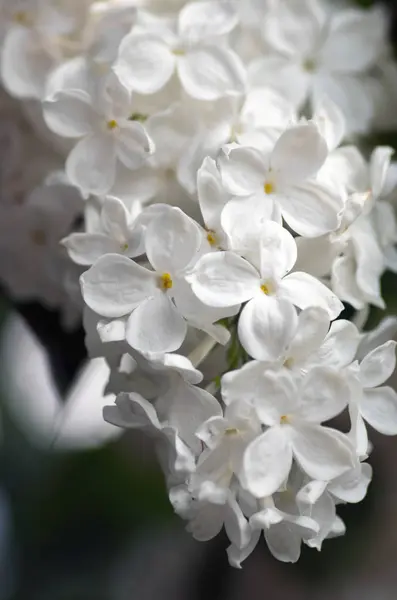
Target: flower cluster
[(196, 162)]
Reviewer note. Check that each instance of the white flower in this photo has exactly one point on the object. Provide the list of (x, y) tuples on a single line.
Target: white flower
[(225, 279), (116, 286), (371, 401), (132, 411), (118, 233), (293, 417), (206, 67), (284, 532), (107, 136), (282, 175), (316, 54)]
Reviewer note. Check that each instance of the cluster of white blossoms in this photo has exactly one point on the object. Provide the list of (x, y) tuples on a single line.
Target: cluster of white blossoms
[(191, 164)]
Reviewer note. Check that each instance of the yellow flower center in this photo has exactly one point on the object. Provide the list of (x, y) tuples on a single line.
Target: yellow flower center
[(124, 247), (22, 17), (231, 431), (265, 289), (284, 420), (179, 52), (112, 124), (211, 237), (309, 65), (166, 281), (268, 188)]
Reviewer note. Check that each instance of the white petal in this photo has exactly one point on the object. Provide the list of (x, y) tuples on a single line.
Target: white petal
[(266, 463), (303, 290), (224, 279), (316, 255), (311, 209), (145, 63), (352, 487), (285, 538), (378, 365), (385, 331), (236, 555), (207, 523), (86, 248), (133, 144), (379, 408), (278, 72), (202, 20), (91, 165), (278, 250), (323, 395), (265, 326), (344, 282), (276, 397), (312, 327), (156, 326), (321, 452), (380, 163), (211, 195), (330, 121), (355, 41), (243, 219), (298, 154), (293, 28), (243, 383), (340, 345), (115, 285), (211, 72), (172, 241), (132, 411), (236, 525), (243, 171), (350, 94), (185, 408), (369, 260), (24, 64), (358, 434), (69, 113)]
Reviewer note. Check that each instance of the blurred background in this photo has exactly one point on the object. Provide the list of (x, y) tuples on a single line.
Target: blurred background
[(84, 513)]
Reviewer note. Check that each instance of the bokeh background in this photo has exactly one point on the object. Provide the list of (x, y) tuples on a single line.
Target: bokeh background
[(84, 513)]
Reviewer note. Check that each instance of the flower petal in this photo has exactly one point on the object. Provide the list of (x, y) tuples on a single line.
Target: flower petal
[(324, 394), (298, 154), (133, 144), (378, 365), (312, 327), (69, 113), (354, 42), (321, 452), (115, 285), (156, 326), (340, 345), (265, 327), (224, 279), (379, 408), (172, 241), (86, 248), (91, 165), (211, 72), (278, 250), (311, 209), (267, 462), (145, 63), (24, 64), (303, 290), (202, 20), (243, 171)]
